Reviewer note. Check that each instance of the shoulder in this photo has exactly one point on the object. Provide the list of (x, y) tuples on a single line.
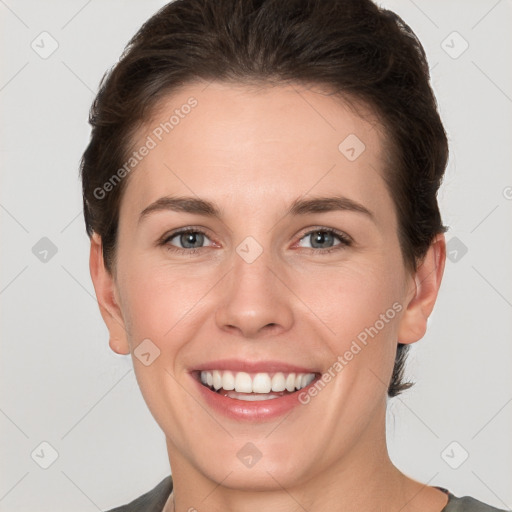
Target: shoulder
[(152, 501), (468, 504)]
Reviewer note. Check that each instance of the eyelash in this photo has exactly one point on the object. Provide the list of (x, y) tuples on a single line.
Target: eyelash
[(345, 240)]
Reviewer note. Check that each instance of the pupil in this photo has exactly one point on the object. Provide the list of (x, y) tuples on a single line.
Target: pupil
[(191, 238), (321, 237)]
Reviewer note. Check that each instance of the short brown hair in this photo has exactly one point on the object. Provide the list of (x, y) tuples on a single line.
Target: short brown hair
[(356, 49)]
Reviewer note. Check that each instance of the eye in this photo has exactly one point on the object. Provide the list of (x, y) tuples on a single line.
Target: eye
[(324, 239), (192, 240), (187, 240)]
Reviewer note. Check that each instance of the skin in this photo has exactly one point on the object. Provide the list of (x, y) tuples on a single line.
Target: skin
[(241, 147)]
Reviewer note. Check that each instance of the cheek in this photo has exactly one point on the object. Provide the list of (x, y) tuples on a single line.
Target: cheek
[(160, 305), (158, 299), (357, 310), (352, 298)]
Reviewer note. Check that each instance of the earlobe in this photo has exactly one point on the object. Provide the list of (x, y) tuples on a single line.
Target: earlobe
[(104, 286), (427, 281), (118, 346)]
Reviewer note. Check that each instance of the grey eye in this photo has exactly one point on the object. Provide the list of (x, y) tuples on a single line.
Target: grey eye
[(191, 240)]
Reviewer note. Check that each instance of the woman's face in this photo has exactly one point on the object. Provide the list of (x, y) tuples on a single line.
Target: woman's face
[(293, 266)]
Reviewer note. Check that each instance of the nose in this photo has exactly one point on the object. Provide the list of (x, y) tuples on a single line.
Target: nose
[(255, 301)]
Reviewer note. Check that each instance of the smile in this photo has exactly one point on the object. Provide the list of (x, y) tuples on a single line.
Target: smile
[(254, 386), (250, 390)]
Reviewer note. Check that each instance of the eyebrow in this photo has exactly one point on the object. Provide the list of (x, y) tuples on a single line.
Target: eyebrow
[(199, 206)]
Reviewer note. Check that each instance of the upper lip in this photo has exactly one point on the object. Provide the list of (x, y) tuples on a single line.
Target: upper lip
[(240, 365)]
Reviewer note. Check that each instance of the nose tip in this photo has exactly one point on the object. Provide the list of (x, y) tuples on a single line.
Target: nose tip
[(254, 302)]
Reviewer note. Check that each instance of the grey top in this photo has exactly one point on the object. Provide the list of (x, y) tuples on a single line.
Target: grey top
[(154, 501)]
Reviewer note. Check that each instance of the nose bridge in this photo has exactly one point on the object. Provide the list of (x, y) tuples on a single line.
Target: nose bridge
[(253, 297)]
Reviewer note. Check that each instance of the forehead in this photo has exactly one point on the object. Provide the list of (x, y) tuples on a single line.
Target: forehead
[(222, 141)]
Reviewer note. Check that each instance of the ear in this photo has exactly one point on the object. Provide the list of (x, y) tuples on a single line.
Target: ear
[(104, 286), (421, 299)]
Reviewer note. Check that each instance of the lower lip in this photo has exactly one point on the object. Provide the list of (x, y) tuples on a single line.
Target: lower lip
[(260, 410)]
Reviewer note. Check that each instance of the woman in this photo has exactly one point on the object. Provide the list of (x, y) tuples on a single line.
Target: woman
[(260, 192)]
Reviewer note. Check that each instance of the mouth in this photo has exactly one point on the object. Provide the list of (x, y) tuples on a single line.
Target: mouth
[(251, 390), (254, 387)]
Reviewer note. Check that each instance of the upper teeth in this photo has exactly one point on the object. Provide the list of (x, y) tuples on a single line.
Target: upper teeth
[(243, 382)]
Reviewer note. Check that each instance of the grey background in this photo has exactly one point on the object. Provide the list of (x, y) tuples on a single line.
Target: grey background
[(61, 384)]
